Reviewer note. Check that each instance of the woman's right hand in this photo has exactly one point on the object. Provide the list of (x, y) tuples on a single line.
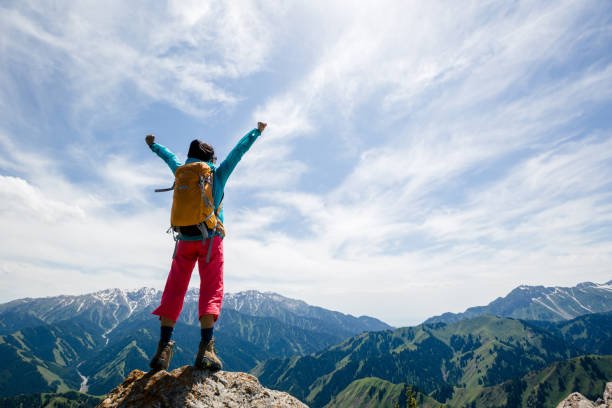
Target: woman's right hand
[(261, 126), (150, 139)]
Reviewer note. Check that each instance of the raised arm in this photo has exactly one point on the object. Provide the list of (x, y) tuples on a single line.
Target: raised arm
[(166, 155), (229, 164)]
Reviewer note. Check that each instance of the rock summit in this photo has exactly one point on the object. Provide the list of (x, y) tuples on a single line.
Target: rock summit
[(577, 400), (193, 388)]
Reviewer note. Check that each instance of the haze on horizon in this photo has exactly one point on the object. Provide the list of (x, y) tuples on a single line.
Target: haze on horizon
[(420, 158)]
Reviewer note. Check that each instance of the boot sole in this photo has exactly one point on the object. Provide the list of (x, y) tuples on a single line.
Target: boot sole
[(208, 364), (158, 368)]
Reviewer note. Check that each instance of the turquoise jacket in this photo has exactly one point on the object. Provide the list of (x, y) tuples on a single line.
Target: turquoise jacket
[(221, 173)]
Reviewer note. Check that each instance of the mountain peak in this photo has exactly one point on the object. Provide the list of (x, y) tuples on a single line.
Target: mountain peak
[(542, 303), (188, 387)]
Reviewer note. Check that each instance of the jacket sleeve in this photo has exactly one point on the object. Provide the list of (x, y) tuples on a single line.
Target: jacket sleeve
[(166, 155), (229, 164)]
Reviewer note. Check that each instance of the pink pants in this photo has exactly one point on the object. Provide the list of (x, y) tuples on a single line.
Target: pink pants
[(211, 279)]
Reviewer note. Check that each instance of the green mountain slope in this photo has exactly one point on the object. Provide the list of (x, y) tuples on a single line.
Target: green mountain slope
[(42, 359), (22, 372), (298, 313), (545, 387), (592, 334), (71, 399), (278, 338), (132, 351), (110, 368), (63, 343), (377, 393), (471, 353), (45, 358)]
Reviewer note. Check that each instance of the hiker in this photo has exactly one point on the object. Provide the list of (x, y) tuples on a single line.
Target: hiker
[(199, 238)]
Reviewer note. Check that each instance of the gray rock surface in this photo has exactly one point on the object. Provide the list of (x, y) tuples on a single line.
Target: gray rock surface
[(577, 400), (188, 387)]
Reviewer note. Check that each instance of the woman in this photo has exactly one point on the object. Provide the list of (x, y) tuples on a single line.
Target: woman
[(190, 249)]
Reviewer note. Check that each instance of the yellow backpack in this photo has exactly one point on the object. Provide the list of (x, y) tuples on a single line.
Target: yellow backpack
[(192, 203)]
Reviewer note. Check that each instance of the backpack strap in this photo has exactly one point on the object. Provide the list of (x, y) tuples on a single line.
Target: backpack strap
[(207, 234), (161, 190), (202, 182), (176, 235), (212, 237)]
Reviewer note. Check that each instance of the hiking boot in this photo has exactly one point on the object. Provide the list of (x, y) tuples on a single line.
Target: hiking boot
[(161, 359), (206, 358)]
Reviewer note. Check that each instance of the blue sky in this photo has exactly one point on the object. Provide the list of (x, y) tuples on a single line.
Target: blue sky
[(421, 157)]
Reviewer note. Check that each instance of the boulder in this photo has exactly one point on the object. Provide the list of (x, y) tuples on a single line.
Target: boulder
[(577, 400), (189, 387)]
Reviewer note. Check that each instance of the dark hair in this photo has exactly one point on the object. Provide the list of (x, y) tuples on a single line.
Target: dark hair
[(202, 151)]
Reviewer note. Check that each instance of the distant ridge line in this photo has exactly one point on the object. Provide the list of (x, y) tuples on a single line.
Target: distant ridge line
[(544, 303)]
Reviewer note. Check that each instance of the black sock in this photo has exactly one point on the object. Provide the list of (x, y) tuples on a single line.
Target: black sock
[(207, 334), (166, 334)]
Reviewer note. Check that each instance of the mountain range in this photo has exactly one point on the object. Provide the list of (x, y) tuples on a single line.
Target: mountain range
[(542, 303), (448, 362), (514, 352), (91, 342), (108, 308)]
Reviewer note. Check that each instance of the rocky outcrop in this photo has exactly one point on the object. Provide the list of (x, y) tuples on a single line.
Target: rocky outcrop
[(188, 387), (577, 400)]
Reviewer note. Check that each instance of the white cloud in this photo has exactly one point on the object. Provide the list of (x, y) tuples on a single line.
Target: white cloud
[(22, 201), (179, 55), (129, 180), (43, 229), (468, 164), (270, 164), (473, 94), (74, 232), (247, 222)]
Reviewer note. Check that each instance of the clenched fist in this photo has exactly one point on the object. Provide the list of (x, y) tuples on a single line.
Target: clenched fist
[(261, 126), (150, 139)]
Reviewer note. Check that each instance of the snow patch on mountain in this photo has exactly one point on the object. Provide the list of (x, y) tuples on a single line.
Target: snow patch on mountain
[(590, 310), (537, 300), (559, 309), (110, 307)]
